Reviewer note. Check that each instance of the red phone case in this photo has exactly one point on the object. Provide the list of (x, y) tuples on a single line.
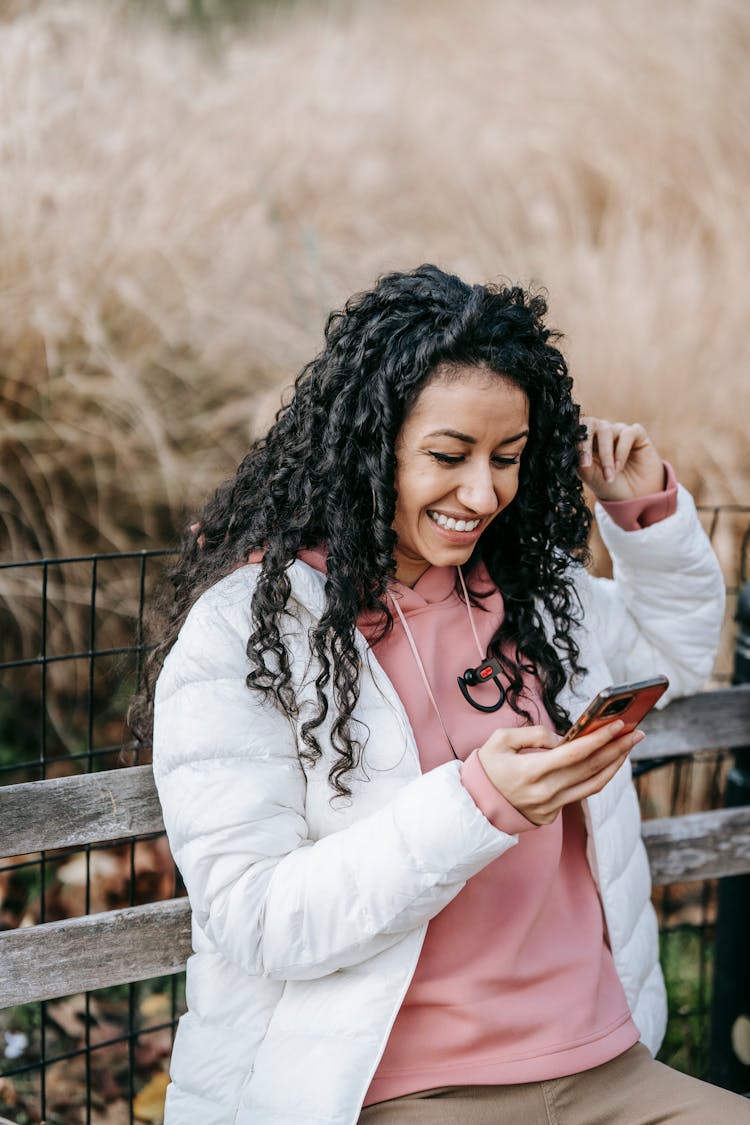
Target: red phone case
[(628, 702)]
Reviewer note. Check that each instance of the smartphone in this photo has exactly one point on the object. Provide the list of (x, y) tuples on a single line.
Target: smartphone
[(628, 702)]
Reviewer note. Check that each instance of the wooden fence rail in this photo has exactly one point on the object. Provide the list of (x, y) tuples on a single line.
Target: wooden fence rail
[(137, 943)]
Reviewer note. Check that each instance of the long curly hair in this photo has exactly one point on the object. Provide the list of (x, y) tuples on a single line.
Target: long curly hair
[(324, 474)]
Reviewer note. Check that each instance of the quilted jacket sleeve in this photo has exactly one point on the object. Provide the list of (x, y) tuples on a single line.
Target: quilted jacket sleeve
[(233, 796), (662, 611)]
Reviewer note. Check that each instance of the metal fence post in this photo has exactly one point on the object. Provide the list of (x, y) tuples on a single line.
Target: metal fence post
[(729, 1056)]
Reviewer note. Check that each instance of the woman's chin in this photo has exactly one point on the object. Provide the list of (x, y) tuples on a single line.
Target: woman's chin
[(449, 555)]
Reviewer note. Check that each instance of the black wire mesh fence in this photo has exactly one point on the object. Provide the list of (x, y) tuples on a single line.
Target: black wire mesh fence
[(101, 1056), (71, 656)]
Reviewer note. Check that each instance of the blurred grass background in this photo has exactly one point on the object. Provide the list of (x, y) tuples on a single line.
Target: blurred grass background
[(188, 186)]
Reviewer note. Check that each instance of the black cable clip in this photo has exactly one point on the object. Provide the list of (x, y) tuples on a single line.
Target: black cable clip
[(482, 674)]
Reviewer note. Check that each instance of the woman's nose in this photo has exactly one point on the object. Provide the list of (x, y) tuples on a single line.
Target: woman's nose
[(477, 491)]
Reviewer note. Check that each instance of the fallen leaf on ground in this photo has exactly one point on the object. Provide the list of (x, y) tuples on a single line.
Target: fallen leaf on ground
[(148, 1105)]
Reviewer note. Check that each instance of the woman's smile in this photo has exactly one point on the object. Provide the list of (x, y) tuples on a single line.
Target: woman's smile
[(458, 461), (454, 523)]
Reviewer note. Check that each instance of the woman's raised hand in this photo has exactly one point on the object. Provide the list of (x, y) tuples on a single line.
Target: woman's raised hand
[(538, 785), (617, 461)]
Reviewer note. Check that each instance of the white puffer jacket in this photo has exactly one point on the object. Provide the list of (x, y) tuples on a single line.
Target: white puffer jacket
[(308, 918)]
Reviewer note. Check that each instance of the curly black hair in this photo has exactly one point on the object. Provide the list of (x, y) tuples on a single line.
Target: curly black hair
[(324, 474)]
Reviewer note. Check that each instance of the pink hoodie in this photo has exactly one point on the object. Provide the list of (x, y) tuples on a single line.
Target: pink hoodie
[(515, 981)]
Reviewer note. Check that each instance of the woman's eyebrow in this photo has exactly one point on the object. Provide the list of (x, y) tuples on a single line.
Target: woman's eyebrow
[(473, 441)]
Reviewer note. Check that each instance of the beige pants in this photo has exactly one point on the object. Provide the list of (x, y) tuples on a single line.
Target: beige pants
[(632, 1089)]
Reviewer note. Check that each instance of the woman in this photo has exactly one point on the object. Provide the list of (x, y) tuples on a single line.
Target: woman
[(401, 901)]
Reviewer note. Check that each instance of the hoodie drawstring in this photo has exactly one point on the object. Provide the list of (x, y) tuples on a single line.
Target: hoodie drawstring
[(418, 659)]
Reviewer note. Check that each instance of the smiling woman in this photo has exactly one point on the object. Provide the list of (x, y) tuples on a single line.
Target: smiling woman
[(452, 482), (411, 900)]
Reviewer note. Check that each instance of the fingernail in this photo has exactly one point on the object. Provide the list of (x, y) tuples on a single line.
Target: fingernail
[(618, 466), (618, 725), (638, 736), (585, 459), (609, 475)]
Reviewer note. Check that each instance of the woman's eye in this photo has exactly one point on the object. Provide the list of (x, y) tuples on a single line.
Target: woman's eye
[(448, 459), (445, 458)]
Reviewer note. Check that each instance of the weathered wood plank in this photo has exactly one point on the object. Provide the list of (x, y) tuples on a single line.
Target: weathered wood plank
[(91, 808), (137, 943), (84, 809), (115, 947), (706, 721), (705, 845)]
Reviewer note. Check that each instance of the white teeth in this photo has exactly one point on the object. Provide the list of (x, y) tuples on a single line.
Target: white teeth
[(454, 525)]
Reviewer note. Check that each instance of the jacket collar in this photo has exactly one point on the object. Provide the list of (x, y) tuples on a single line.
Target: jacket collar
[(308, 590), (308, 587)]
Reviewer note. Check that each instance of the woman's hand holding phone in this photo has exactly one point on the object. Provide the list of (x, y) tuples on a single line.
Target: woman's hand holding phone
[(540, 785)]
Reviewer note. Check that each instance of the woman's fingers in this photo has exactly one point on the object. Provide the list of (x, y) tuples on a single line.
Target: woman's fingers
[(604, 764), (539, 784), (618, 461), (624, 442), (604, 450), (523, 738), (596, 782), (598, 445), (609, 442), (585, 744), (584, 767)]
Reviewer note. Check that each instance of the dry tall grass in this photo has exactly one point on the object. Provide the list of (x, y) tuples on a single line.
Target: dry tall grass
[(176, 222)]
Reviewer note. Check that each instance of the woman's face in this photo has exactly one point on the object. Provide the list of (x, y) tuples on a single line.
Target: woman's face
[(458, 455)]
